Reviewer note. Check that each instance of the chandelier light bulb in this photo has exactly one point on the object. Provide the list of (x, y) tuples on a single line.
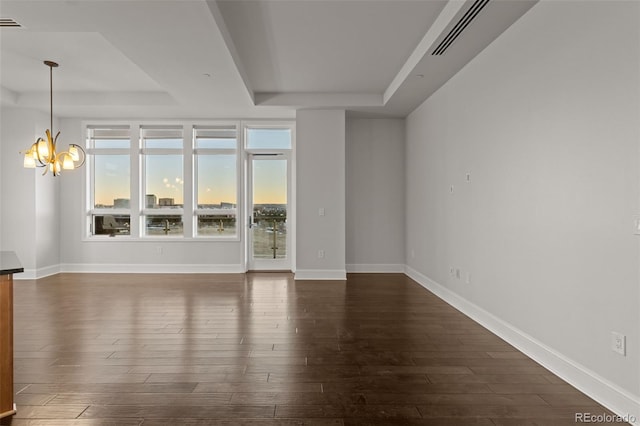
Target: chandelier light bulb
[(43, 149), (29, 161), (73, 152), (67, 162)]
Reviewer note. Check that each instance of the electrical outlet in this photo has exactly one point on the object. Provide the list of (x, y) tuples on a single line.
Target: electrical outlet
[(468, 177), (452, 271), (320, 254), (458, 273), (619, 343), (159, 249)]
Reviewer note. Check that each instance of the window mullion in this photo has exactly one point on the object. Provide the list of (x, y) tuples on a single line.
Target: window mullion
[(205, 151), (134, 152), (188, 176), (112, 151)]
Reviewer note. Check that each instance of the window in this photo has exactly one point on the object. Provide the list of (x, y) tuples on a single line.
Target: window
[(171, 180), (110, 180), (163, 183), (268, 138), (216, 182)]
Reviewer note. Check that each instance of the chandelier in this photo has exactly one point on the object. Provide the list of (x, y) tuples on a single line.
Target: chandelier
[(42, 153)]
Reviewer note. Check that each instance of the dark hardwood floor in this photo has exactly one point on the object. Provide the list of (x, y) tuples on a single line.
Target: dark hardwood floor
[(262, 349)]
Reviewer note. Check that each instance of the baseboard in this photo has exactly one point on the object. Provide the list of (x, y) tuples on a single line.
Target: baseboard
[(34, 274), (600, 389), (321, 274), (375, 268), (27, 274), (119, 268)]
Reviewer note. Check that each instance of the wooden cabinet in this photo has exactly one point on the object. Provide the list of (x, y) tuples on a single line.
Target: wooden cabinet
[(9, 265)]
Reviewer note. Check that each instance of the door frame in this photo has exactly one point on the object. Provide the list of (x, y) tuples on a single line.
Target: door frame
[(289, 155)]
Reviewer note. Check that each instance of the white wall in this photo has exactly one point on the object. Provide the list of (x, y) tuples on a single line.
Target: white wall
[(375, 185), (30, 202), (118, 255), (375, 195), (546, 121), (320, 183)]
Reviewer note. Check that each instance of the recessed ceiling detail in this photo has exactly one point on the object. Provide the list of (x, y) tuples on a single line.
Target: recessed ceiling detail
[(311, 46), (266, 58), (350, 54)]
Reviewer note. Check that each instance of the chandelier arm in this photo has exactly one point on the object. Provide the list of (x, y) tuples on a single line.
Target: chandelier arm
[(83, 156), (52, 146), (37, 157), (42, 161), (81, 152)]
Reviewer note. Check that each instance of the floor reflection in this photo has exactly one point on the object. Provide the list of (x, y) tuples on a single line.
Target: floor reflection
[(262, 348)]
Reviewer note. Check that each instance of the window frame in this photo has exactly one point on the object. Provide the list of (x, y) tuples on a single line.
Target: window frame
[(269, 125), (91, 210), (137, 206), (290, 155), (144, 151), (197, 212)]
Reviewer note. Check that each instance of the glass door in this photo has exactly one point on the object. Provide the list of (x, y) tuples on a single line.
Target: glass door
[(269, 237)]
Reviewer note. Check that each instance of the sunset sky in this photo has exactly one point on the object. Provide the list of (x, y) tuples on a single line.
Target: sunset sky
[(216, 179), (111, 178), (270, 181), (216, 174)]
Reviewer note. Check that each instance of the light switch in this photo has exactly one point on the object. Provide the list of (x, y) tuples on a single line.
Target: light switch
[(321, 211)]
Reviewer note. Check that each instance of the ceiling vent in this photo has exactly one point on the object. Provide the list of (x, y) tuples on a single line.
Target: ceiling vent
[(9, 23), (460, 26)]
